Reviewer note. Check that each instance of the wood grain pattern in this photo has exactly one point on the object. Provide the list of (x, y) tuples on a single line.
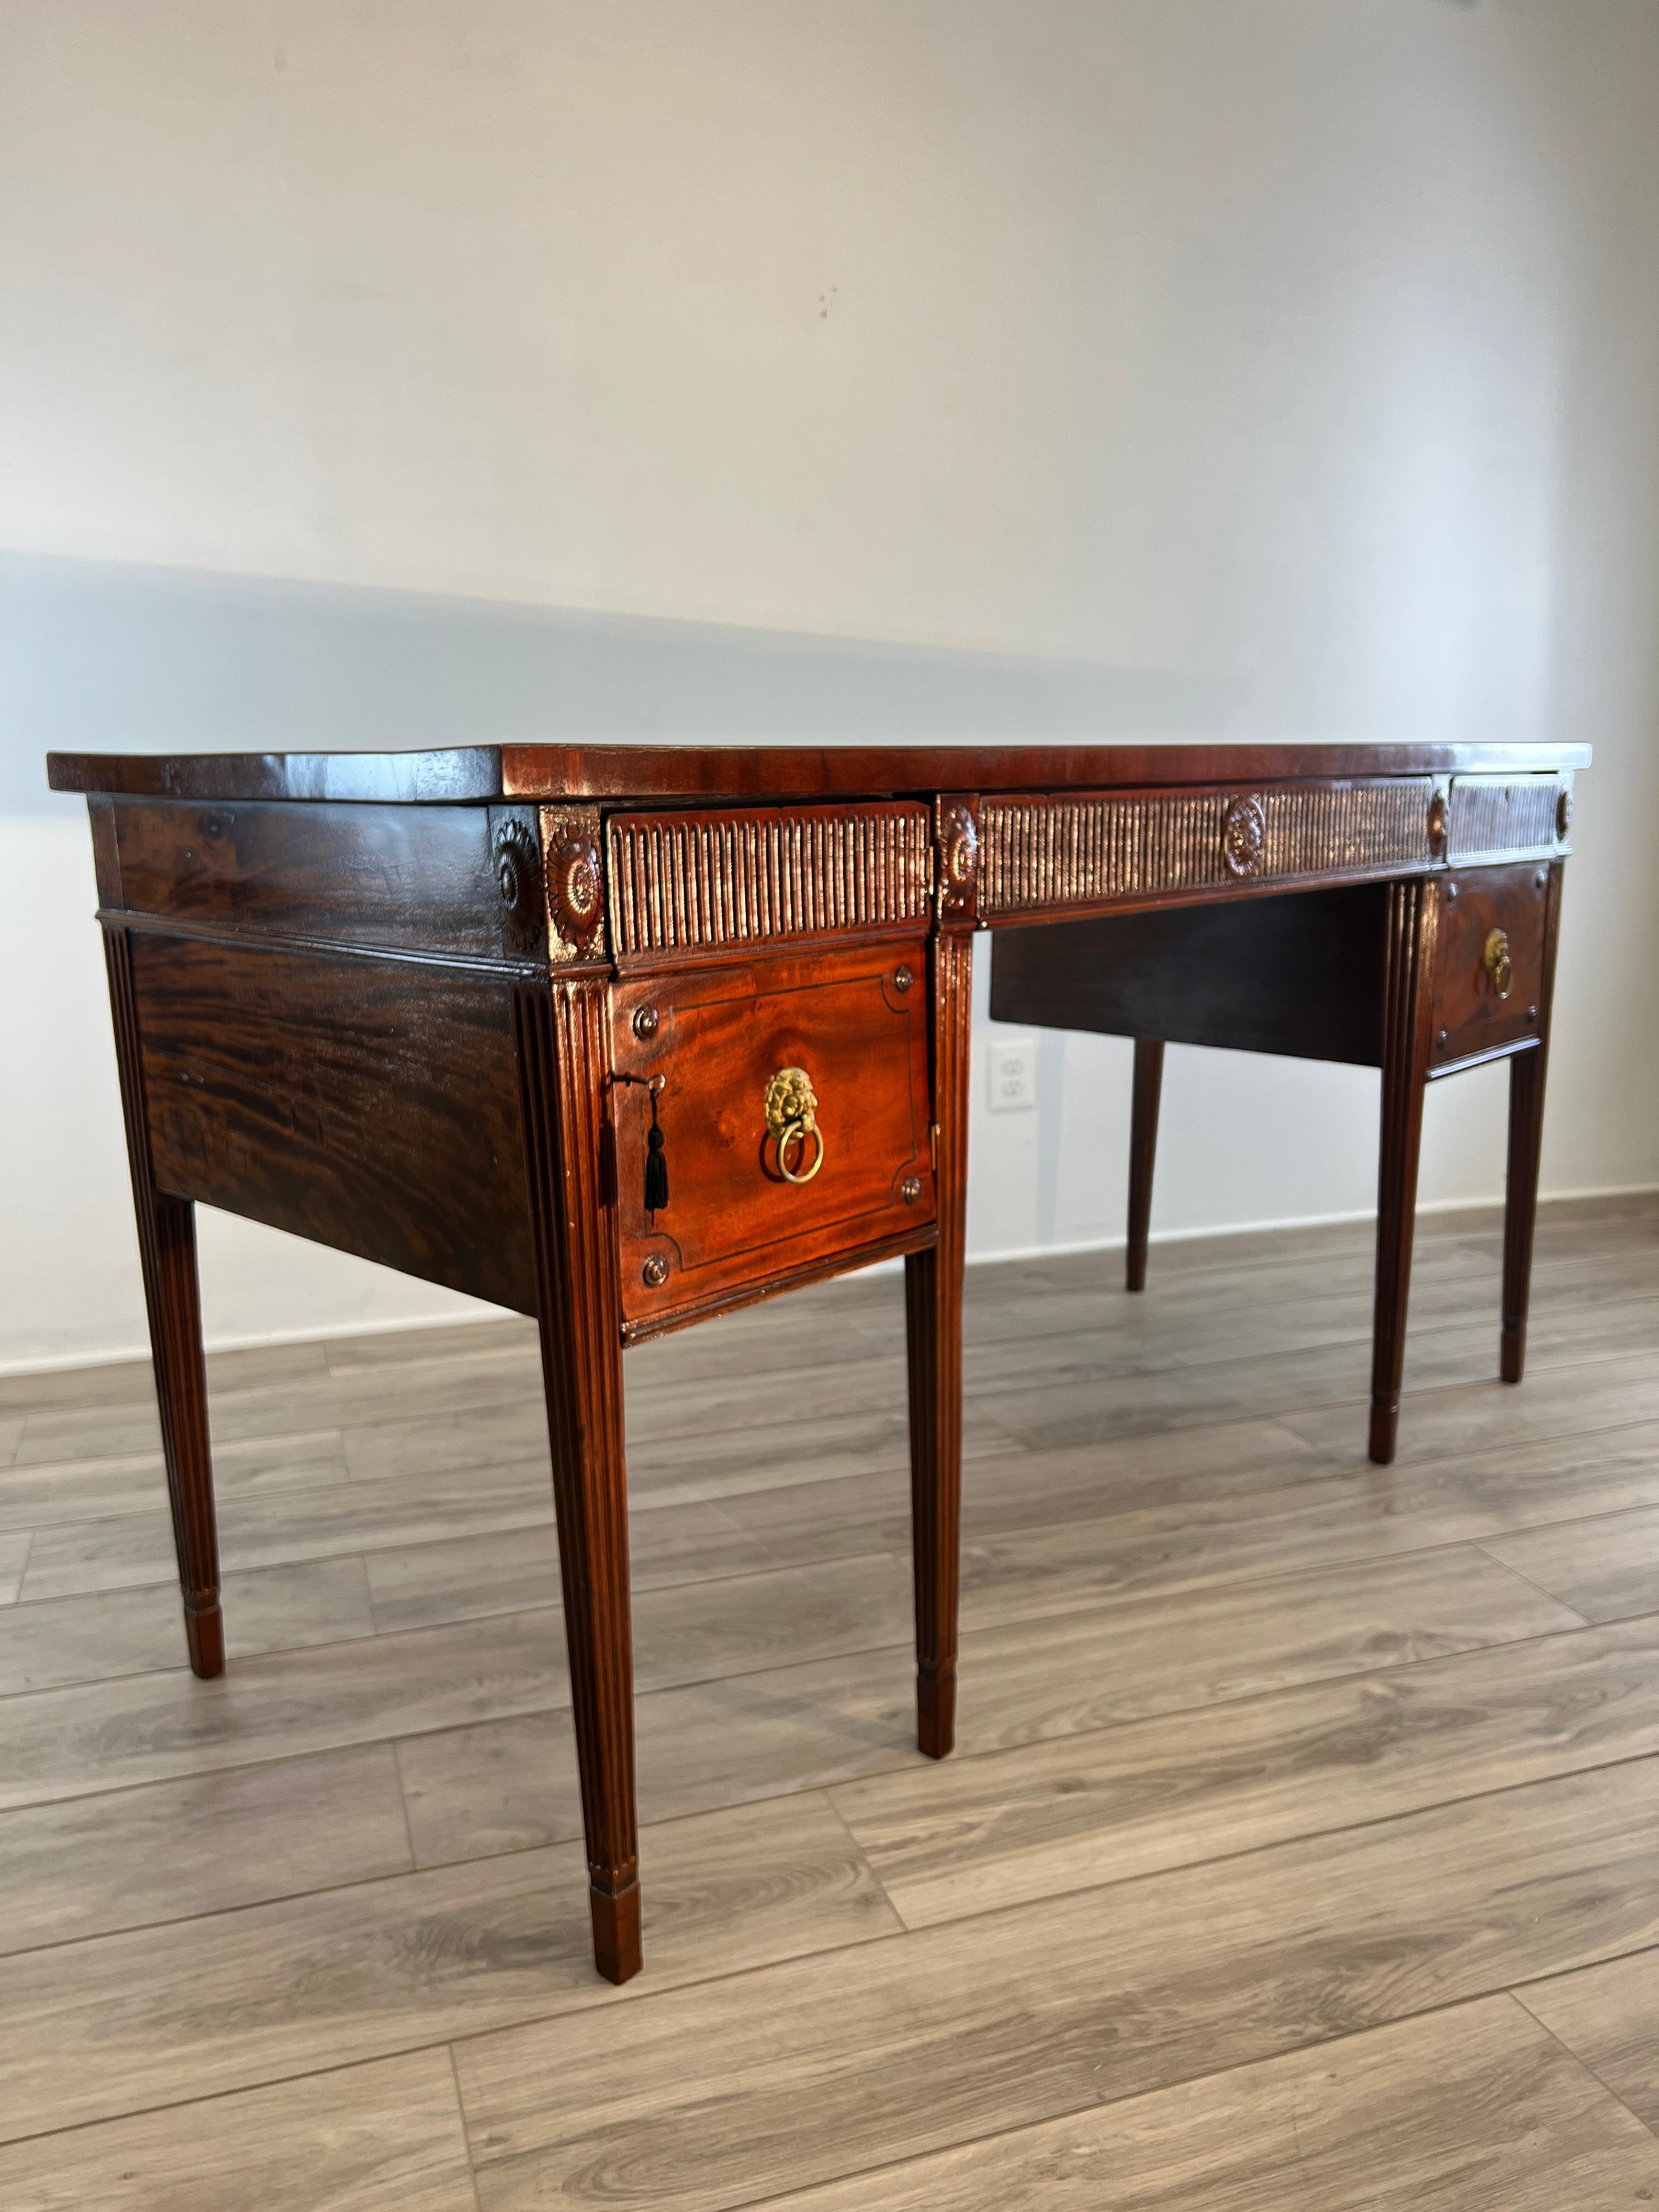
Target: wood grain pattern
[(1211, 1538), (77, 1741), (1183, 1592), (43, 1487), (13, 1556), (1010, 2017), (507, 1785), (86, 1639), (1607, 1569), (232, 2000), (385, 2137), (1569, 1402), (466, 1578), (762, 772), (1475, 2107), (1609, 2015), (417, 879), (368, 1105), (1300, 973), (1105, 1808), (719, 1037), (267, 1530), (1070, 1410), (173, 1850)]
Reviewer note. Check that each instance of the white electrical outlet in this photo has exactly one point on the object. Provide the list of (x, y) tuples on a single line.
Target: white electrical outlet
[(1013, 1074)]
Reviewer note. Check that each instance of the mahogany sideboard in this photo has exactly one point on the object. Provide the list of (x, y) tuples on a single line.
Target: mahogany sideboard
[(624, 1037)]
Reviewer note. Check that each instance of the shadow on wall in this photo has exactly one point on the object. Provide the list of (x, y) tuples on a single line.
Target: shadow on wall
[(99, 658)]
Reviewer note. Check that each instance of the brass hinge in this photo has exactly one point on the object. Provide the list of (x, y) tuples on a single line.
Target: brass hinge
[(932, 1144)]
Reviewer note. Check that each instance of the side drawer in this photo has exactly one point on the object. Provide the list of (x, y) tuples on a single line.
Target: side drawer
[(1489, 969), (739, 1217)]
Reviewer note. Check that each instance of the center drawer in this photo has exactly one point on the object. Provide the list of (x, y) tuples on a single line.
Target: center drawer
[(791, 1097)]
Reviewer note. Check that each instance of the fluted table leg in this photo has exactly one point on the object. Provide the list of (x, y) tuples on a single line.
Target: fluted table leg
[(564, 1058), (933, 1304)]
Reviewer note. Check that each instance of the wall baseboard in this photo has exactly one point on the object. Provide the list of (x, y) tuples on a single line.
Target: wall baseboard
[(257, 1340), (1287, 1222)]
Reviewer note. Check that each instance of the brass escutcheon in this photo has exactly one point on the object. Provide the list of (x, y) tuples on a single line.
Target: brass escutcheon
[(792, 1116), (1497, 962)]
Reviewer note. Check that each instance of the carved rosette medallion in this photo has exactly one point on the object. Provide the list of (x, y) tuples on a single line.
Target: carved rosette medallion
[(1438, 811), (518, 871), (1563, 814), (1244, 837), (958, 860), (575, 886)]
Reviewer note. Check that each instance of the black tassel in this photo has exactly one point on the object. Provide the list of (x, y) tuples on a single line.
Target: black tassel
[(656, 1166)]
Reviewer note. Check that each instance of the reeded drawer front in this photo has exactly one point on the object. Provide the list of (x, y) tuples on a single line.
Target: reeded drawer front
[(1490, 967), (1493, 816), (1054, 851), (751, 1201), (687, 885)]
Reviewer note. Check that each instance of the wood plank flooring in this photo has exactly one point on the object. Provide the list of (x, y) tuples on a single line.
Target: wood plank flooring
[(1299, 1847)]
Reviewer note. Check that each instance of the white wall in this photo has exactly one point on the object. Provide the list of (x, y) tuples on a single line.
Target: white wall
[(1238, 367)]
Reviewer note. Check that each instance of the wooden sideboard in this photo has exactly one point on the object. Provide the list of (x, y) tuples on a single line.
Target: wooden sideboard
[(625, 1036)]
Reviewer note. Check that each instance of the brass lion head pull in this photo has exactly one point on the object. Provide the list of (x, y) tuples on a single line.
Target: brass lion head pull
[(791, 1117), (1497, 962)]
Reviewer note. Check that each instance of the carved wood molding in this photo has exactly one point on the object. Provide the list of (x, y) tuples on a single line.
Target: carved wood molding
[(575, 884), (515, 861), (957, 858), (700, 883), (1244, 837), (1040, 852), (1507, 817)]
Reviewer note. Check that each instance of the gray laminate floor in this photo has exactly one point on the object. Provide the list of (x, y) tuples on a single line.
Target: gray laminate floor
[(1301, 1848)]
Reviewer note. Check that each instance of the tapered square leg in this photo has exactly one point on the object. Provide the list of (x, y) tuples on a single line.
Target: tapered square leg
[(1521, 1205), (932, 1310), (167, 1251), (1527, 1073), (1143, 1149), (933, 1321), (562, 1041), (1409, 995)]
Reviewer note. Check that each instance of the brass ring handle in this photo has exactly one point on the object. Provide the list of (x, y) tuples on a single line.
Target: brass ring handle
[(801, 1130), (1498, 965), (792, 1116)]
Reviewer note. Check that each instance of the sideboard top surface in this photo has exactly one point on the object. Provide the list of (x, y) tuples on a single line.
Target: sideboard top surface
[(623, 773)]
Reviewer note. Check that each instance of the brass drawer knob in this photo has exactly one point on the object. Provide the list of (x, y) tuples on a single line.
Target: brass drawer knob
[(791, 1117), (1497, 962)]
